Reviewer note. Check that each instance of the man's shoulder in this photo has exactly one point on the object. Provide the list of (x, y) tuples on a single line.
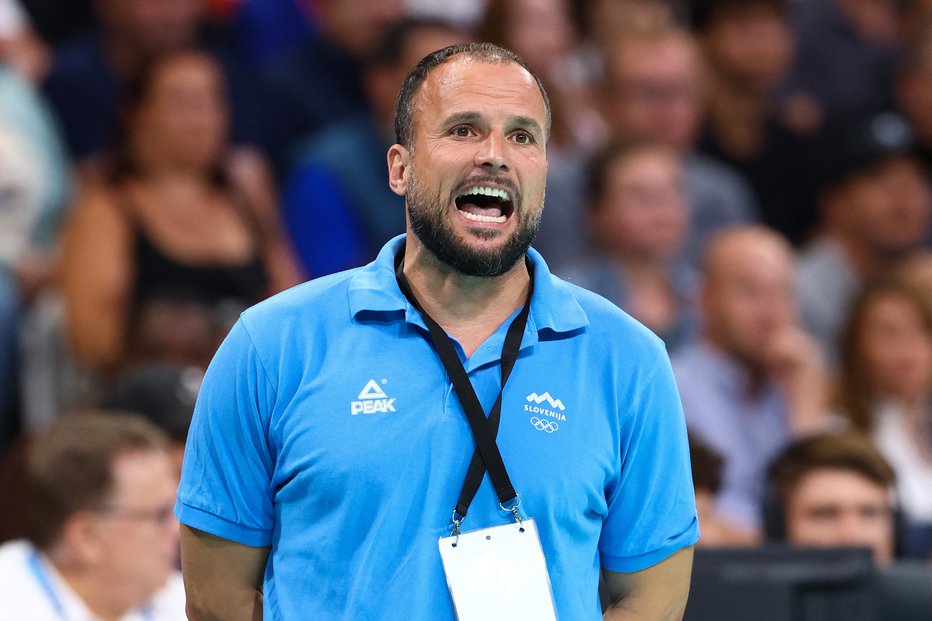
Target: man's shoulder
[(607, 321)]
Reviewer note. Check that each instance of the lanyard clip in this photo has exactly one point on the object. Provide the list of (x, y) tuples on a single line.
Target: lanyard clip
[(513, 509), (457, 520)]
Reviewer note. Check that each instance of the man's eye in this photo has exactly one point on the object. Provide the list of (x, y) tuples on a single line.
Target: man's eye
[(462, 131), (523, 138)]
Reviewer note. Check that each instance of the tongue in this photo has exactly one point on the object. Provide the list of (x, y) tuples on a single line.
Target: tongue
[(493, 210)]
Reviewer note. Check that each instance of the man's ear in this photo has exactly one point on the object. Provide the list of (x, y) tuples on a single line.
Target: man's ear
[(81, 537), (398, 161)]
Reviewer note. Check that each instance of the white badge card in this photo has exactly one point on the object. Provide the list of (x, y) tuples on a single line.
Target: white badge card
[(498, 573)]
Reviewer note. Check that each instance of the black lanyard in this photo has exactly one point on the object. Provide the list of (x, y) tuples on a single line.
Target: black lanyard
[(486, 456)]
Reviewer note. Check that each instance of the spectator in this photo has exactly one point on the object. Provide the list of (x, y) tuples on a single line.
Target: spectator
[(337, 206), (749, 47), (102, 539), (89, 73), (833, 490), (707, 467), (653, 89), (159, 259), (876, 207), (845, 60), (886, 390), (322, 79), (753, 380), (638, 219), (34, 187)]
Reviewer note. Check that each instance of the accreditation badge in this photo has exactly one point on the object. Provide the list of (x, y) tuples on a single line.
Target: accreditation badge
[(498, 573)]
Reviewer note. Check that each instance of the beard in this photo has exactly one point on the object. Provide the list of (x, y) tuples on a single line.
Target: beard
[(430, 223)]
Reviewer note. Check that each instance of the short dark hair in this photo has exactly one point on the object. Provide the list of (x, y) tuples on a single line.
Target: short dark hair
[(615, 149), (485, 52), (704, 12), (69, 466), (850, 451), (707, 466)]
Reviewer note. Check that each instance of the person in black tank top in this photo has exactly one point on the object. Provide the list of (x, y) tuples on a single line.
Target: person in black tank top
[(163, 257)]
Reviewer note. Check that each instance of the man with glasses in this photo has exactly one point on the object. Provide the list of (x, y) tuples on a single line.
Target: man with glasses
[(102, 541)]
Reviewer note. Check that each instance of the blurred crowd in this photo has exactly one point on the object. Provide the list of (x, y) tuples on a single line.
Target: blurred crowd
[(751, 179)]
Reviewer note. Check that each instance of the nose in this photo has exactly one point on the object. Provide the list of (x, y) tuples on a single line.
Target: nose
[(490, 154)]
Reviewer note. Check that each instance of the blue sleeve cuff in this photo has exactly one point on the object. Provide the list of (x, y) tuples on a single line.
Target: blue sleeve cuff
[(628, 564), (209, 523)]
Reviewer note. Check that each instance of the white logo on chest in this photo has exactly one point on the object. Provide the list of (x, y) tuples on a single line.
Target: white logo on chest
[(372, 400), (536, 405)]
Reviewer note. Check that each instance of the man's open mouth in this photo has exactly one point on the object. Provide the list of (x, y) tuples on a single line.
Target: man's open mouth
[(485, 204)]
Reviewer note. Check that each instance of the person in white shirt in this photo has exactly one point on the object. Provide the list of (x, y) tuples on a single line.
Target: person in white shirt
[(102, 542)]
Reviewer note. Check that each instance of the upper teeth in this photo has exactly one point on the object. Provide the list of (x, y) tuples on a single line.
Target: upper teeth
[(487, 191)]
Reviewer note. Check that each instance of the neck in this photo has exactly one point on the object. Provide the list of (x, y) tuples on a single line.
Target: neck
[(737, 115), (468, 308), (97, 592)]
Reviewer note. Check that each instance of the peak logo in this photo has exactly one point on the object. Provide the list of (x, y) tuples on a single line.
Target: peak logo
[(372, 400)]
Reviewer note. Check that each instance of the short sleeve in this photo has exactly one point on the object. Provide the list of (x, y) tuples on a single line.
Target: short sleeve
[(652, 507), (225, 485)]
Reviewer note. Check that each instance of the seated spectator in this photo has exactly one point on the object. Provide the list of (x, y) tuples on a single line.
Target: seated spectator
[(159, 260), (885, 390), (707, 466), (34, 187), (102, 540), (89, 72), (653, 89), (336, 203), (877, 208), (833, 490), (845, 59), (748, 47), (638, 219), (321, 81), (753, 381)]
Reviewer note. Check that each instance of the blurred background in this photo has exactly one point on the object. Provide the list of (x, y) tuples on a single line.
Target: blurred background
[(748, 178)]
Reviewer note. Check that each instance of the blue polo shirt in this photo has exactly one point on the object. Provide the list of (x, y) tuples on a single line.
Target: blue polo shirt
[(327, 428)]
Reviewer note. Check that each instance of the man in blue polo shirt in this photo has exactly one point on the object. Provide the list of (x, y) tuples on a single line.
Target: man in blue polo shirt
[(330, 443)]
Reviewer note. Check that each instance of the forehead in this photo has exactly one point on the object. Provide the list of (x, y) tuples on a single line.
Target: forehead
[(142, 476), (750, 257), (465, 84), (665, 56), (826, 485)]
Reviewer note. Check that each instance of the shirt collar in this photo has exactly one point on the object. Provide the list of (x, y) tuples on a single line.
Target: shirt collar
[(72, 607), (373, 289)]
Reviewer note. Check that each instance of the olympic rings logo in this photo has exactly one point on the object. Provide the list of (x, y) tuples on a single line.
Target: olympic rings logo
[(544, 425)]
